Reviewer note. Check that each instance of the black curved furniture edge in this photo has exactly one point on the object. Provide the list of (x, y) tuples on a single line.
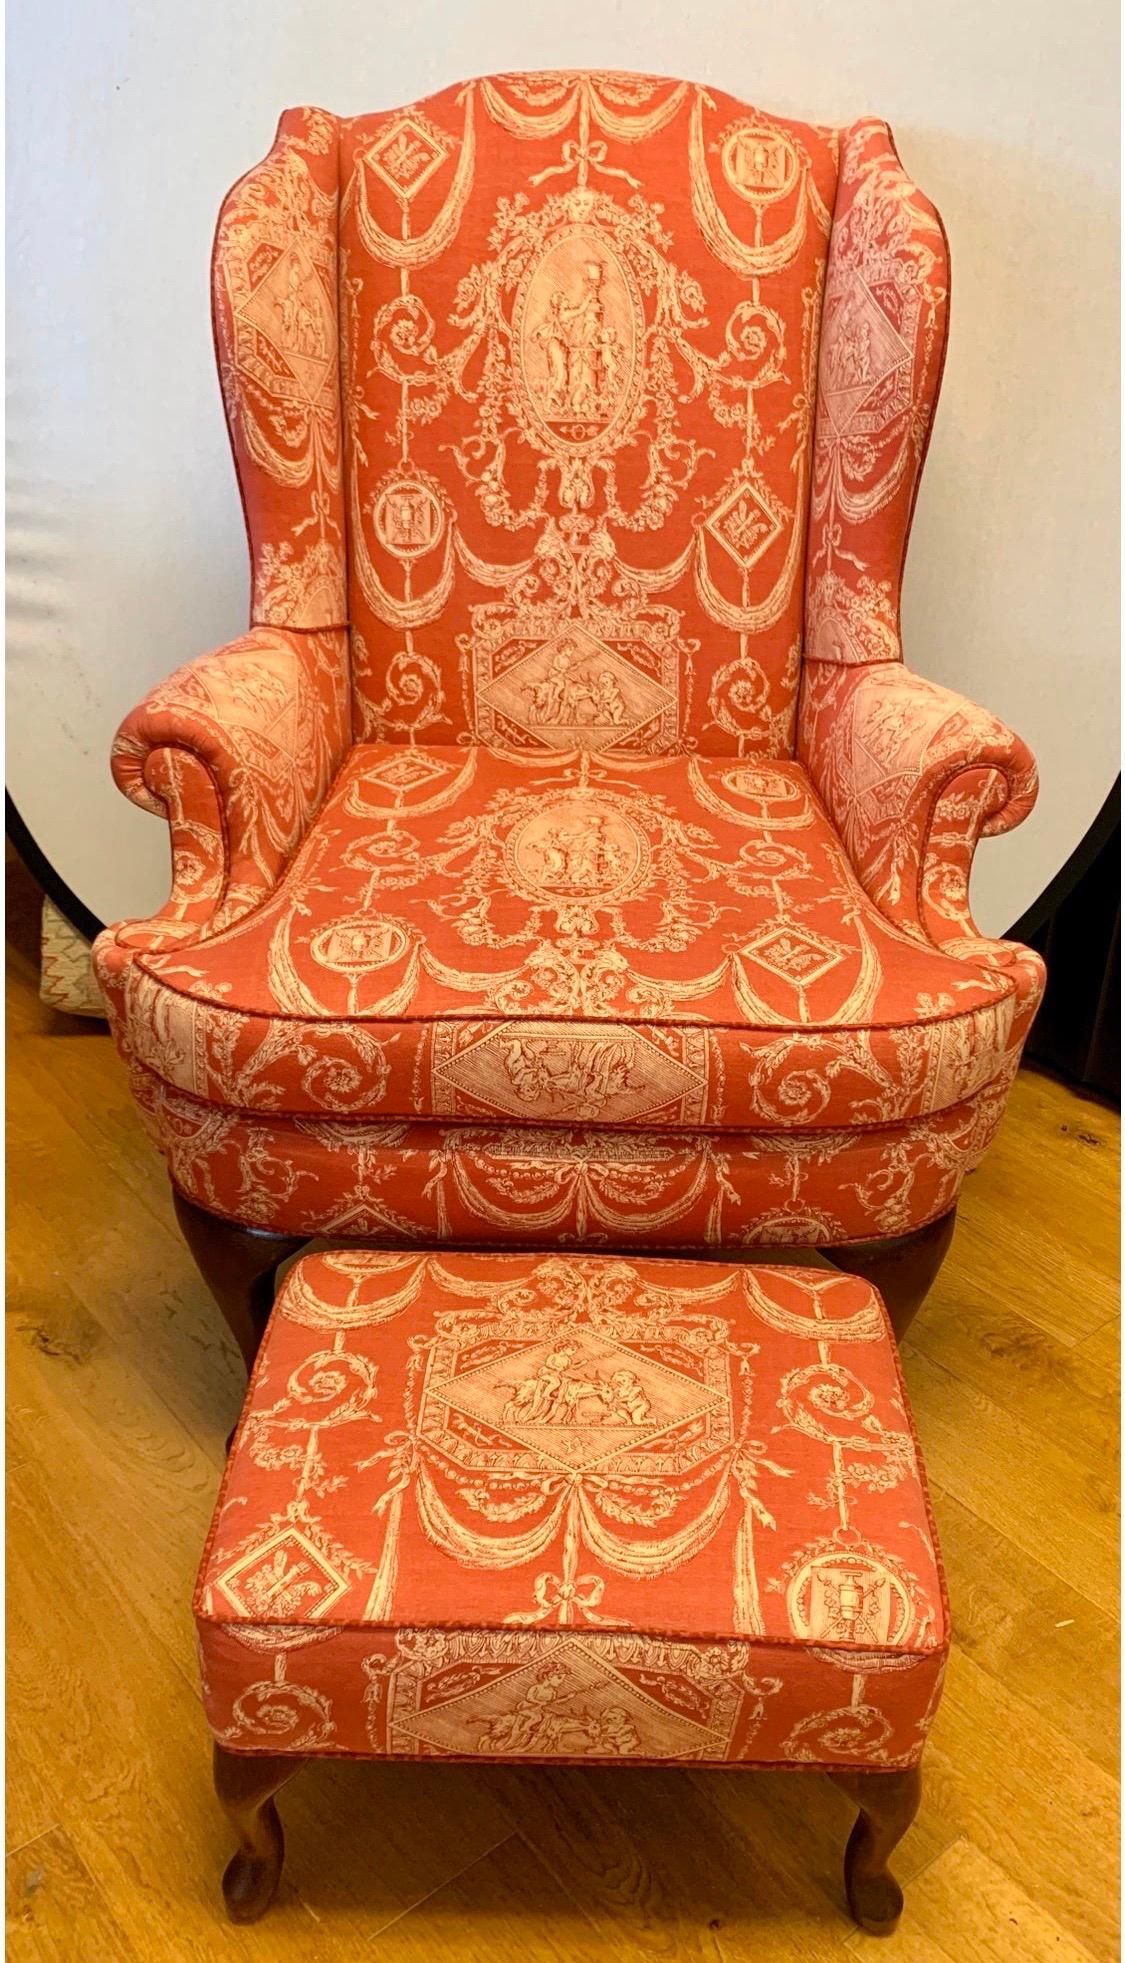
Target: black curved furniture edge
[(41, 869)]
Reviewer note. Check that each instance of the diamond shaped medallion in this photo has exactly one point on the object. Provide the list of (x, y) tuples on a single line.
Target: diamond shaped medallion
[(406, 771), (860, 351), (575, 692), (795, 954), (603, 1074), (406, 156), (744, 524), (570, 1702), (291, 309), (576, 1399), (284, 1579)]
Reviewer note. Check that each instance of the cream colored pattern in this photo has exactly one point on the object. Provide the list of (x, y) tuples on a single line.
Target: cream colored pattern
[(524, 1447), (575, 340), (278, 342)]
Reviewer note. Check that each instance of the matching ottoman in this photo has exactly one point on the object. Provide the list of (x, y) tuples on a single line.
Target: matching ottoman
[(573, 1508)]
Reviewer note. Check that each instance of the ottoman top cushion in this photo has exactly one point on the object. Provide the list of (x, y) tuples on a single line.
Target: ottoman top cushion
[(689, 1449)]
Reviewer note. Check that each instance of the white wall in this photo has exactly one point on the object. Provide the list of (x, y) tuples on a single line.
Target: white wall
[(128, 119)]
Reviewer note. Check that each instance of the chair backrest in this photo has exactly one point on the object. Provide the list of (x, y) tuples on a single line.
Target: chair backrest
[(522, 383)]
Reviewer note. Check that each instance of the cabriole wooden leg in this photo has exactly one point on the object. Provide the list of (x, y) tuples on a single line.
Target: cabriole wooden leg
[(239, 1265), (245, 1783), (903, 1268), (887, 1804)]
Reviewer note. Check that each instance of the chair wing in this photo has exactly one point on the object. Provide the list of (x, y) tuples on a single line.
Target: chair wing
[(912, 774), (275, 308), (882, 348)]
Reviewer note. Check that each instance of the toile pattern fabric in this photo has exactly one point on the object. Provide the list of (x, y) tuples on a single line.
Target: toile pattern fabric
[(574, 1508), (882, 350), (908, 770), (569, 775), (593, 942), (578, 417), (244, 742), (423, 1182), (275, 313)]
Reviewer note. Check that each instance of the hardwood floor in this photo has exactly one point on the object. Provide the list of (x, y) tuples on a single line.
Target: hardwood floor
[(121, 1388)]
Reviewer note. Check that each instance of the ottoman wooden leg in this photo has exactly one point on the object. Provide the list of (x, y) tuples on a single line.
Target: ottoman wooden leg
[(245, 1783), (887, 1804)]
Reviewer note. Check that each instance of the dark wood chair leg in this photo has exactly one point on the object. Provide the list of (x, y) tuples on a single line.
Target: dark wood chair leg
[(239, 1265), (246, 1783), (887, 1804), (903, 1269)]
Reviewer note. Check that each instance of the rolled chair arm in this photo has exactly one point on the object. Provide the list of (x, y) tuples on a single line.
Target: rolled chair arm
[(912, 776), (236, 750)]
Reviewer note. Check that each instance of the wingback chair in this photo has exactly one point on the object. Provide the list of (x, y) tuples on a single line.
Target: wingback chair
[(565, 854)]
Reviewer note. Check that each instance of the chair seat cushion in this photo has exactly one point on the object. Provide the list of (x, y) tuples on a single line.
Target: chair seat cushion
[(468, 934), (564, 1507)]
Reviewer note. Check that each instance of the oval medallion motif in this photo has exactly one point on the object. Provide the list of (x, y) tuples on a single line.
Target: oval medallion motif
[(849, 1597), (578, 331), (768, 798), (355, 946), (762, 785), (578, 848), (854, 1731)]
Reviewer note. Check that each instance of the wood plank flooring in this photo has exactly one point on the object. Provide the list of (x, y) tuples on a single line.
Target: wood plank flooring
[(121, 1388)]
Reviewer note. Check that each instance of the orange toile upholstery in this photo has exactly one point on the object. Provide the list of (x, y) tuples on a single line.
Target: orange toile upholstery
[(521, 1183), (566, 846), (582, 941), (237, 751), (912, 775), (574, 1508)]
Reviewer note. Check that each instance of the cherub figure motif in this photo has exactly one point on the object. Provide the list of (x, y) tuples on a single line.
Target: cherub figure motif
[(535, 1399), (629, 1397), (617, 1733), (562, 1392), (582, 853), (566, 693), (611, 702), (533, 1726), (608, 361), (537, 1724), (557, 1394), (545, 1071), (572, 694), (581, 350), (849, 353)]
